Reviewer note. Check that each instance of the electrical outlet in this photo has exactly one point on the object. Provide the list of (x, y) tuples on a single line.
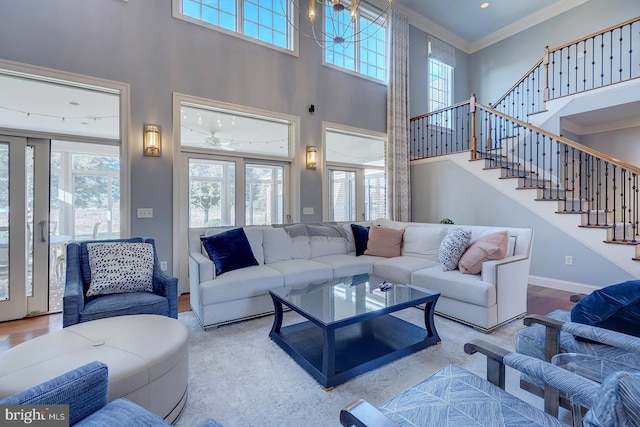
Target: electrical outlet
[(163, 265), (568, 260), (145, 212)]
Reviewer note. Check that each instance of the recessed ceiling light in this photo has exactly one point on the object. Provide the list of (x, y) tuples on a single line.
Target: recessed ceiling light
[(484, 5), (74, 103)]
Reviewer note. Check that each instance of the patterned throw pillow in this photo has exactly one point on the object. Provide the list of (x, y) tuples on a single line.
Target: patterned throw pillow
[(452, 247), (118, 267)]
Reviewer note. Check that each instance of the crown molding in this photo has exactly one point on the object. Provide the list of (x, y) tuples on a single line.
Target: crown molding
[(433, 29), (524, 23)]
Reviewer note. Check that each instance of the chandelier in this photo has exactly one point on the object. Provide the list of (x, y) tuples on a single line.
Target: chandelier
[(340, 26)]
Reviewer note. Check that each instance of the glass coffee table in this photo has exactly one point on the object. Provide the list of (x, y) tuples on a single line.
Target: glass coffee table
[(349, 327)]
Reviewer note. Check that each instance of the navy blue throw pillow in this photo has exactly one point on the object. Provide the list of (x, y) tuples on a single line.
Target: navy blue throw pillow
[(615, 307), (360, 237), (229, 250)]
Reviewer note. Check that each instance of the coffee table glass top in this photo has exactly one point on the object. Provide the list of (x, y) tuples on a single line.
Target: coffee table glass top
[(348, 297)]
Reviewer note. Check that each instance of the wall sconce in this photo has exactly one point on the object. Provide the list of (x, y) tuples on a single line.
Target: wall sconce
[(152, 140), (312, 160)]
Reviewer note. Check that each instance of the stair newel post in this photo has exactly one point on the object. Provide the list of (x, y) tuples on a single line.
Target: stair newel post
[(545, 61), (472, 110)]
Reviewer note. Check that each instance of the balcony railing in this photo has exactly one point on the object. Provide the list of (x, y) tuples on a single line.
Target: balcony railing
[(581, 179), (600, 59)]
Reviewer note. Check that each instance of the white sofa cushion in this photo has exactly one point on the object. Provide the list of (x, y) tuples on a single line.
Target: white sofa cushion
[(423, 242), (238, 284), (455, 285), (278, 246), (300, 271), (348, 264), (399, 269)]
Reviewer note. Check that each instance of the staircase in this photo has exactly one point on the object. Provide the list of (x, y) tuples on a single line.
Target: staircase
[(587, 190)]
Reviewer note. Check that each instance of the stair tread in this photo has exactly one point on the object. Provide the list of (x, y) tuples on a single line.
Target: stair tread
[(622, 242)]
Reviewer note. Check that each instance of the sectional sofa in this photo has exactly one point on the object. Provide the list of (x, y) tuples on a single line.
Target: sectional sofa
[(304, 253)]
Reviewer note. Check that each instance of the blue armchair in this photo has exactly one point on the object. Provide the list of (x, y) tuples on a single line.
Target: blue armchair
[(77, 308), (455, 396), (85, 390)]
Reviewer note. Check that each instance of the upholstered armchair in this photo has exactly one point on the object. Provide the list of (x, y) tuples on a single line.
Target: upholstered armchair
[(556, 333), (455, 396), (116, 264), (85, 390)]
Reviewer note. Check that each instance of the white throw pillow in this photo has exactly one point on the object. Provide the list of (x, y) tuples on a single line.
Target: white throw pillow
[(452, 247), (118, 267)]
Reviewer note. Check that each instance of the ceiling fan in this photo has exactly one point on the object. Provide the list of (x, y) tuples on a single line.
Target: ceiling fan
[(217, 143)]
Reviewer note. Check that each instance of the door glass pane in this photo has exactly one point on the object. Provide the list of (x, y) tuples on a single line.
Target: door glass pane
[(85, 192), (342, 191), (264, 194), (375, 195), (211, 193), (30, 187), (4, 221)]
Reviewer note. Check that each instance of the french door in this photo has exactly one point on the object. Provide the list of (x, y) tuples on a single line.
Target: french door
[(24, 226)]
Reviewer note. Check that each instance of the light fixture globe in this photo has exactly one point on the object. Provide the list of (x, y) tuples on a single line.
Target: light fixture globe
[(338, 28)]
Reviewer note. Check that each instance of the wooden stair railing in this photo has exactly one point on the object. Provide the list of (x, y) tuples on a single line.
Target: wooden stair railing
[(580, 179), (603, 58)]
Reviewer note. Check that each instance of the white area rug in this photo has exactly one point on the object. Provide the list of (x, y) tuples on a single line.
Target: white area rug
[(238, 376)]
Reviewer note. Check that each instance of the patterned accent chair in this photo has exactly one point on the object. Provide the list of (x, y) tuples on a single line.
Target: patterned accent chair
[(455, 396), (77, 307), (85, 390), (556, 333)]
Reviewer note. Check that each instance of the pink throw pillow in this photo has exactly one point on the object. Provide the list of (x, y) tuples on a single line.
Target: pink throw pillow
[(385, 242), (491, 246)]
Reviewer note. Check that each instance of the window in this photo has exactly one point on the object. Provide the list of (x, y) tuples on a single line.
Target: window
[(263, 20), (238, 166), (442, 59), (356, 187), (367, 55), (440, 85)]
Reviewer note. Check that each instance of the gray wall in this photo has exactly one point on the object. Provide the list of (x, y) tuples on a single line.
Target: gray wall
[(494, 69), (419, 69), (443, 189), (141, 44)]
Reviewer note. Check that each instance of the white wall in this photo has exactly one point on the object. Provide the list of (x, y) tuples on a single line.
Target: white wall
[(620, 143)]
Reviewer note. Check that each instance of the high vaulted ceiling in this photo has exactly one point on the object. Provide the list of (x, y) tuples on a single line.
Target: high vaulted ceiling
[(469, 27)]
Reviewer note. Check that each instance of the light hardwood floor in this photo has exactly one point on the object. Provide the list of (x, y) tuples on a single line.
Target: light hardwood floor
[(540, 300)]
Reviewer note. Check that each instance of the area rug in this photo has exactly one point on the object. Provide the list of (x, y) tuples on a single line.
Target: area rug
[(238, 376)]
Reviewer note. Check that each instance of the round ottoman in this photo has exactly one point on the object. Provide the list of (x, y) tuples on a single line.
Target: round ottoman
[(147, 356)]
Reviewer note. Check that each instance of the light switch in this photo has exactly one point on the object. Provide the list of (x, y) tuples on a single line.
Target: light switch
[(145, 212), (307, 211)]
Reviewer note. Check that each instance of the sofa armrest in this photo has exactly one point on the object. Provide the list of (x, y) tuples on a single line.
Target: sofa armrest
[(363, 414), (202, 266), (73, 298), (511, 278), (84, 389), (490, 268), (166, 286)]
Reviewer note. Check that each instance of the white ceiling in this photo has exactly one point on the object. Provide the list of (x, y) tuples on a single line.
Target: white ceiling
[(469, 27)]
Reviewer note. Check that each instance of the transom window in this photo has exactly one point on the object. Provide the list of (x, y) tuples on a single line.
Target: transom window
[(367, 54), (263, 20)]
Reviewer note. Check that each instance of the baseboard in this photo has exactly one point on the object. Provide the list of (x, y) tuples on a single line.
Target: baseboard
[(562, 285)]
